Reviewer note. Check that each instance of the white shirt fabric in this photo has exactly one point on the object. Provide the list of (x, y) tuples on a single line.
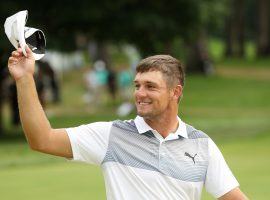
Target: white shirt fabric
[(133, 180)]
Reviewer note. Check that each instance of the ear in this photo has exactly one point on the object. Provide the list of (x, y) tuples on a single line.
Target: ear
[(177, 92)]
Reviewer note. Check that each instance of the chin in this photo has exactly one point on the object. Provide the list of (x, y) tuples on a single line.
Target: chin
[(141, 114), (144, 114)]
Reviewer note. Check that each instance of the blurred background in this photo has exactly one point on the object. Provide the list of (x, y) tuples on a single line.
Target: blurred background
[(86, 75)]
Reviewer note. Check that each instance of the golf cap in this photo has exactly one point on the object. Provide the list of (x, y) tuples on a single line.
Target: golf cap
[(19, 35)]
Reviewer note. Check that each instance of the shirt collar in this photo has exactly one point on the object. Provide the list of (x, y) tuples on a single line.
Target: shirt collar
[(143, 127)]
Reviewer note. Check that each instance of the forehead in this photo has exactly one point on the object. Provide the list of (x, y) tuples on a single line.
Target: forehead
[(150, 77)]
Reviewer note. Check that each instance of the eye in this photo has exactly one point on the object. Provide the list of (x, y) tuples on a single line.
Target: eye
[(150, 86), (137, 86)]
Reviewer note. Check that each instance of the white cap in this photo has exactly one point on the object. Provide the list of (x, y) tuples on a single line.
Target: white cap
[(19, 35)]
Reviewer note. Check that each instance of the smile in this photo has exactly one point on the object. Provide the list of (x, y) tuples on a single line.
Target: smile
[(144, 103)]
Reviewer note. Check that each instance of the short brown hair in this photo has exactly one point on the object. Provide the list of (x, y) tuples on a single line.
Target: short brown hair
[(169, 66)]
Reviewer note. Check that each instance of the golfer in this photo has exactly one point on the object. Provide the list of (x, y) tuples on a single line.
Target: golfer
[(154, 156)]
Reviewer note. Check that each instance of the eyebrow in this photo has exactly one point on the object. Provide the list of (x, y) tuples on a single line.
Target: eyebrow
[(146, 82)]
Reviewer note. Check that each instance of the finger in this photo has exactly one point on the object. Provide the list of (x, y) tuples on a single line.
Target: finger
[(28, 52), (19, 50), (12, 60), (15, 54)]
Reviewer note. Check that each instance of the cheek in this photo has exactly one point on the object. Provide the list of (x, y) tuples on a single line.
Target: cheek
[(164, 100)]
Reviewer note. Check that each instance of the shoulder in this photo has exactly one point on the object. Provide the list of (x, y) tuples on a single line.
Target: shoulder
[(101, 124), (95, 127), (194, 133), (98, 125), (126, 125)]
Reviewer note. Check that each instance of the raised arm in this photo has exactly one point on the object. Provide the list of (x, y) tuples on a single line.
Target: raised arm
[(37, 129), (235, 194)]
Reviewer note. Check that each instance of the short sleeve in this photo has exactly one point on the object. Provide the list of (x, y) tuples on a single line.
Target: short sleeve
[(219, 178), (89, 142)]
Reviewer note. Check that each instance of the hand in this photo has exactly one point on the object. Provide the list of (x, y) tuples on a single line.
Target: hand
[(19, 65)]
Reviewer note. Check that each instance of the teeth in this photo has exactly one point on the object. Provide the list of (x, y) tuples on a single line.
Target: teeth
[(144, 103)]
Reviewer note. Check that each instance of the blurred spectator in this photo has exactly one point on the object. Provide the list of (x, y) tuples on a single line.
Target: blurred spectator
[(15, 117), (3, 75), (46, 79), (95, 79), (111, 83), (92, 84), (125, 80), (8, 92)]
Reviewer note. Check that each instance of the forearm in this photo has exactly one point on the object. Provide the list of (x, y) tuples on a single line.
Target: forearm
[(34, 121), (235, 194)]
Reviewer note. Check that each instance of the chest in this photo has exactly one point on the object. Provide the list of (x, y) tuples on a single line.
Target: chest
[(182, 159)]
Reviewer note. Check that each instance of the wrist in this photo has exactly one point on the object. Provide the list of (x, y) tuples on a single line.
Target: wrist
[(24, 79)]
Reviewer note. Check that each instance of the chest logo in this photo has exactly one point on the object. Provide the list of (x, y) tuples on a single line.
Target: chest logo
[(192, 157)]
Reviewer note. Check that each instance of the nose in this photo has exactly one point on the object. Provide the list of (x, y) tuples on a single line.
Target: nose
[(140, 92)]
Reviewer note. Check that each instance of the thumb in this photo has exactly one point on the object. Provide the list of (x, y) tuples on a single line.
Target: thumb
[(29, 52)]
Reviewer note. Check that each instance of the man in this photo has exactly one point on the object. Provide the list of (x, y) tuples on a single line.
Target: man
[(155, 156)]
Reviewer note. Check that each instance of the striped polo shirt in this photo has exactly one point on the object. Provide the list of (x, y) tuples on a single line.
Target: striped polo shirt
[(138, 163)]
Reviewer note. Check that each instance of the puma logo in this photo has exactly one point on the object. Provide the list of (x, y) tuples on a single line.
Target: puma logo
[(192, 157)]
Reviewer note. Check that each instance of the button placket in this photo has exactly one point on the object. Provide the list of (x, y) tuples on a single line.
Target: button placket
[(161, 154)]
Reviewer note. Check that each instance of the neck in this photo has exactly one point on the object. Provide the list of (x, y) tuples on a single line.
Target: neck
[(164, 125)]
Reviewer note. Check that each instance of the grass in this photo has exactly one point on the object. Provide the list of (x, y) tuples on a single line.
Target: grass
[(232, 107), (247, 157), (35, 175), (217, 47), (59, 180)]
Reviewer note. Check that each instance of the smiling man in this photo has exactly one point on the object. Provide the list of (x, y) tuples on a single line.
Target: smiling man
[(154, 156)]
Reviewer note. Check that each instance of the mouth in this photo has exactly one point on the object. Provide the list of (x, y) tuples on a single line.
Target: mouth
[(143, 103)]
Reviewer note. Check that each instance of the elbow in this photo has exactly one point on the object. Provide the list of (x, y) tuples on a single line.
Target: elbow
[(38, 142), (38, 146)]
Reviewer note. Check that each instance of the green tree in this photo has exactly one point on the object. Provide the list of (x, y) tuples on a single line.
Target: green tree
[(235, 27), (150, 25), (263, 39)]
